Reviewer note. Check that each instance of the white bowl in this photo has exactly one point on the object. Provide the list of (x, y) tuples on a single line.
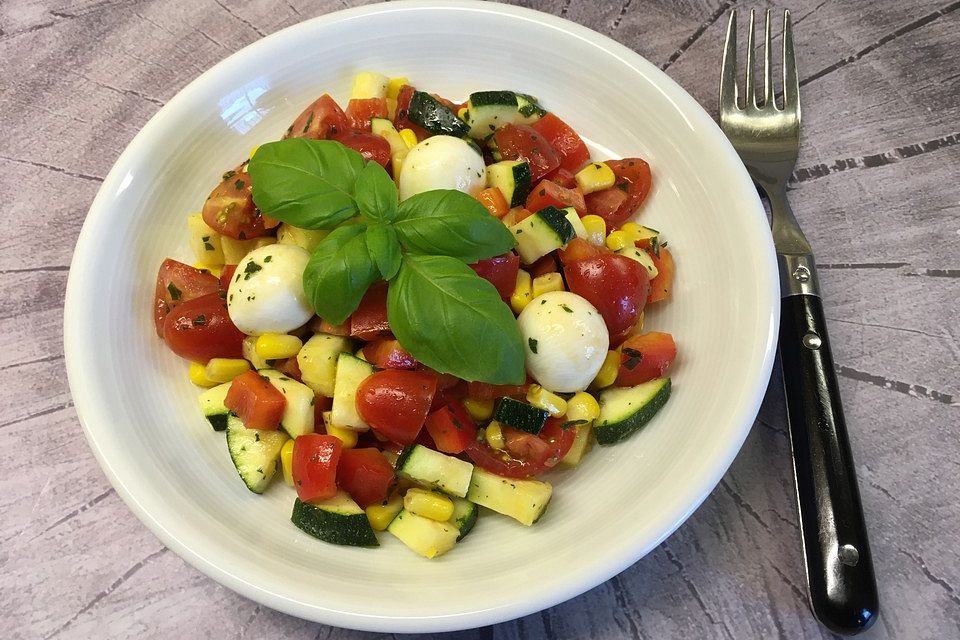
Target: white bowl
[(140, 414)]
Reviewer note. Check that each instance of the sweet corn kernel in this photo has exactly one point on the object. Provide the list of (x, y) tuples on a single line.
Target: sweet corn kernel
[(478, 409), (596, 176), (254, 150), (226, 369), (547, 282), (198, 375), (409, 137), (428, 504), (286, 461), (608, 371), (494, 435), (582, 406), (394, 86), (596, 229), (522, 292), (546, 400), (276, 346), (215, 270), (381, 515), (347, 436), (462, 113), (618, 240)]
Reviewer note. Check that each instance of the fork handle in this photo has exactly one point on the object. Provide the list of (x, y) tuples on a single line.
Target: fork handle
[(843, 589)]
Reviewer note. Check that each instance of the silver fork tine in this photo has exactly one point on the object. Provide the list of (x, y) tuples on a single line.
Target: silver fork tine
[(767, 66), (728, 71), (748, 98), (791, 83)]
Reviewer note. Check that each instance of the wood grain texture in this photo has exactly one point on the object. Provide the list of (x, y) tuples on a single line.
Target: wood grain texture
[(876, 185)]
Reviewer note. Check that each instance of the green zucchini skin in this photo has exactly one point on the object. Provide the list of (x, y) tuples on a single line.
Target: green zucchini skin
[(429, 113), (351, 529), (623, 412), (520, 415)]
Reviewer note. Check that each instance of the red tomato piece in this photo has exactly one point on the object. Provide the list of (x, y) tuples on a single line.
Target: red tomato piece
[(366, 475), (370, 146), (546, 264), (520, 141), (661, 285), (645, 357), (633, 182), (226, 274), (315, 460), (484, 391), (388, 354), (361, 110), (492, 198), (319, 325), (569, 146), (451, 428), (369, 321), (501, 271), (256, 402), (177, 283), (401, 119), (322, 119), (201, 329), (616, 285), (454, 392), (289, 367), (550, 194), (395, 402), (230, 210), (522, 213), (578, 249), (525, 455), (562, 177)]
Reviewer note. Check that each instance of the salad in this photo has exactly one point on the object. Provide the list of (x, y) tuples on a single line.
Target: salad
[(411, 309)]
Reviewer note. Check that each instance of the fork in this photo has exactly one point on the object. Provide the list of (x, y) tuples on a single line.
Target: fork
[(840, 577)]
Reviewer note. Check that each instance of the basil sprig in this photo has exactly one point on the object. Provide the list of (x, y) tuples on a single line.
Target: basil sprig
[(440, 310)]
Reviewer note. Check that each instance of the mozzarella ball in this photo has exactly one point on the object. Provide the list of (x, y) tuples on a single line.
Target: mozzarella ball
[(266, 294), (566, 341), (442, 162)]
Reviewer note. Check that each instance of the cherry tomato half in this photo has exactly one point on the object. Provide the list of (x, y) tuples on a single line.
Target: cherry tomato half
[(230, 210), (177, 283), (322, 119), (370, 146), (616, 285), (388, 354), (569, 146), (395, 402), (256, 402), (451, 428), (201, 329), (501, 272), (525, 454), (520, 141), (365, 474), (361, 110), (551, 194), (369, 321), (632, 179)]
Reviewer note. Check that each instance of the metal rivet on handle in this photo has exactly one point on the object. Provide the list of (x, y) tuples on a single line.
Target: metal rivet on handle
[(849, 555), (801, 274), (812, 341)]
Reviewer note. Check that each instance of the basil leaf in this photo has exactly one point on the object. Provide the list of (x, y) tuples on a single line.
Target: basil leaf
[(376, 193), (306, 183), (338, 273), (384, 249), (454, 321), (451, 223)]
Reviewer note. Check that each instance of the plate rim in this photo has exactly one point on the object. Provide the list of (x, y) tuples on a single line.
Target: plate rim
[(85, 407)]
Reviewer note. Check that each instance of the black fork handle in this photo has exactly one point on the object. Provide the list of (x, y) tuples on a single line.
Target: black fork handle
[(843, 588)]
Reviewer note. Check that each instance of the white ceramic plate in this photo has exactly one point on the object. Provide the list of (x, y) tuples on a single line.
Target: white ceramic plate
[(140, 413)]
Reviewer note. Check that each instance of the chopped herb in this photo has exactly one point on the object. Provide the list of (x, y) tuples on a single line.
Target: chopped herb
[(655, 245), (533, 344), (229, 174), (175, 293), (257, 437), (492, 127), (239, 184), (456, 422), (623, 186), (543, 302), (207, 246), (309, 122), (268, 259), (543, 192), (251, 268), (243, 236), (572, 423), (566, 308), (200, 320)]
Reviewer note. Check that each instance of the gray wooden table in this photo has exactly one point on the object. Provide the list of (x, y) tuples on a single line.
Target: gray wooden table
[(876, 189)]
